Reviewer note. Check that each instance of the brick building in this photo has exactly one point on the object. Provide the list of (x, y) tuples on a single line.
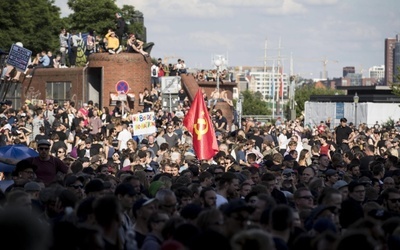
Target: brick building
[(97, 81)]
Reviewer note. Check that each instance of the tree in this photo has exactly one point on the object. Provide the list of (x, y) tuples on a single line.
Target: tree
[(96, 15), (253, 104), (35, 23), (130, 15), (304, 92), (394, 86)]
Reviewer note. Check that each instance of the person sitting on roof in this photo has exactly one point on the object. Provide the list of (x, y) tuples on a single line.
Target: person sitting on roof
[(112, 43)]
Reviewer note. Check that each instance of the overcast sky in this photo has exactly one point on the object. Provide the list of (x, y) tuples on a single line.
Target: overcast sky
[(345, 32)]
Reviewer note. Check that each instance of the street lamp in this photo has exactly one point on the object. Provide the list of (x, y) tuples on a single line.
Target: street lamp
[(218, 63), (356, 98)]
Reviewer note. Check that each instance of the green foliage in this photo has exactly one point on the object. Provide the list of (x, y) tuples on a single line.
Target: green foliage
[(128, 12), (394, 86), (253, 104), (389, 123), (35, 23), (97, 15), (304, 92)]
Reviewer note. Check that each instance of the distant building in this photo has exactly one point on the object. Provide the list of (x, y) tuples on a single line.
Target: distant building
[(268, 83), (396, 58), (389, 59), (352, 79), (377, 72), (348, 70)]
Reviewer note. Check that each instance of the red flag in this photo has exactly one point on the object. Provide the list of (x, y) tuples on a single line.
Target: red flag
[(198, 123)]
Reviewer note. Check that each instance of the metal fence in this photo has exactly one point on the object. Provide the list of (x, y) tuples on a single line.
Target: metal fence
[(259, 118)]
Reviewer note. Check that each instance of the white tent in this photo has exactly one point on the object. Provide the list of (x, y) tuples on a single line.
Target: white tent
[(367, 112)]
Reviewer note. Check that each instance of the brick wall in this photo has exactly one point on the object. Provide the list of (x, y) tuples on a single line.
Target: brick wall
[(130, 67)]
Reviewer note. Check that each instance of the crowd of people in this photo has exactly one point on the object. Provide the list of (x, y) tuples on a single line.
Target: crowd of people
[(281, 185), (270, 186)]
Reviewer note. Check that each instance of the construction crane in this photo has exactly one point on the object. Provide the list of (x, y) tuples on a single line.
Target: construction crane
[(166, 58), (324, 61)]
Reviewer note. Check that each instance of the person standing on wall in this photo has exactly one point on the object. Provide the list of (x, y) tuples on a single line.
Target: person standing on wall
[(120, 27)]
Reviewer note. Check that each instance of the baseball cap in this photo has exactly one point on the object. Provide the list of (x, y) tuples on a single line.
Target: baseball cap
[(32, 186), (141, 203), (330, 172), (287, 171), (44, 142), (339, 184)]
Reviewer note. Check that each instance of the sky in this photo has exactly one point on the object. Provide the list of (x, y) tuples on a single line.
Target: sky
[(338, 32)]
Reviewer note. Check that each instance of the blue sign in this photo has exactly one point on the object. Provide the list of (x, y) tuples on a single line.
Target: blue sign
[(339, 110), (122, 87), (19, 57)]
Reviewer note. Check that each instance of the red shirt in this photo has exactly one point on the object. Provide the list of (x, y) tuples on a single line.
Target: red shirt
[(47, 170)]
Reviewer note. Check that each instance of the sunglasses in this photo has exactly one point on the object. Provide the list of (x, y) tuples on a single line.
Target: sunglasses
[(41, 148), (394, 200)]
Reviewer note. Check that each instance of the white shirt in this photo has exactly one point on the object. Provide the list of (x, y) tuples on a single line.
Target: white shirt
[(123, 137), (221, 200)]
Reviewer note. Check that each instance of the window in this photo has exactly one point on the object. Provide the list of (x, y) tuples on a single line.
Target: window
[(58, 91), (14, 91)]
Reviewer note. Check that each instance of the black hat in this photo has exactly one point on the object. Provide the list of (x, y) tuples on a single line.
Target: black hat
[(23, 165), (141, 203), (44, 142)]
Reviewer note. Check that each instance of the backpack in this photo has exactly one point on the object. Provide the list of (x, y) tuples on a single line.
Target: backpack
[(154, 72)]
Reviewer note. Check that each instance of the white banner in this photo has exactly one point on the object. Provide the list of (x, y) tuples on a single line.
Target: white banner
[(143, 123), (366, 112)]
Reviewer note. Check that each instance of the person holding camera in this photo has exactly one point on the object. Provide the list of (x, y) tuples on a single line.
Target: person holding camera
[(113, 43), (63, 47)]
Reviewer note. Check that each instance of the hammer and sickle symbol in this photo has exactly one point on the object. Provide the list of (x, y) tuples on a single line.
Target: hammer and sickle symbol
[(200, 128)]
